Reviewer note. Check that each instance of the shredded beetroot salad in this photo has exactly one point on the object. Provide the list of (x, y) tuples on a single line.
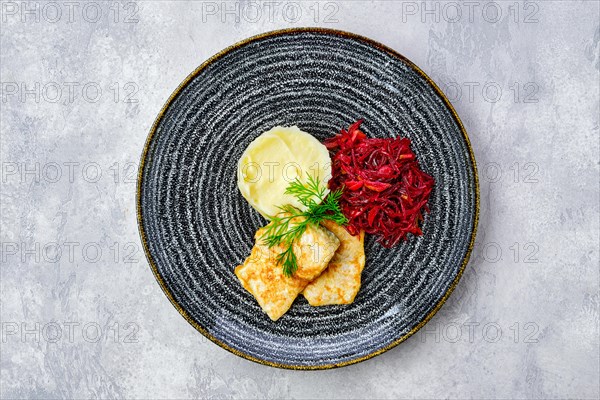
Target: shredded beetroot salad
[(385, 191)]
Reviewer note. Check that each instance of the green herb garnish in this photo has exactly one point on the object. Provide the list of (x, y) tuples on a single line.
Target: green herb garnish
[(319, 207)]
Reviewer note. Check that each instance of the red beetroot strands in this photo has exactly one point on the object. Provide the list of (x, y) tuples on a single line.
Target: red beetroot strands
[(385, 191)]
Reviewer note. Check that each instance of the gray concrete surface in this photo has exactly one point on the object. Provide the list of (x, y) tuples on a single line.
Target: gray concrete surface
[(82, 316)]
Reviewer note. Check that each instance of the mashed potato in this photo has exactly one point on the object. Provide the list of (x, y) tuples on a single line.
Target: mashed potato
[(276, 158)]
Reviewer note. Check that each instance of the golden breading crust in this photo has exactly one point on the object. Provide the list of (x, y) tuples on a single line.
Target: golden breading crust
[(340, 282), (263, 277)]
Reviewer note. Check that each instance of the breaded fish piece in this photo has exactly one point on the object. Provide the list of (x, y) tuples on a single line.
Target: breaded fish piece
[(340, 282), (263, 276)]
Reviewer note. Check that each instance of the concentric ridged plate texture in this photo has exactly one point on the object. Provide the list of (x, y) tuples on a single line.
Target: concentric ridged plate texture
[(196, 227)]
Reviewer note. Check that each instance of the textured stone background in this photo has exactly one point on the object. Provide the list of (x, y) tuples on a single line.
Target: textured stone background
[(82, 316)]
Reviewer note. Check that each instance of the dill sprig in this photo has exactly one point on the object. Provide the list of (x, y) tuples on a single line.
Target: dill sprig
[(289, 225)]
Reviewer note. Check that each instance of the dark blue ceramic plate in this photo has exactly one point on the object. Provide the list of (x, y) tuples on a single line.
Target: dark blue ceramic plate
[(196, 227)]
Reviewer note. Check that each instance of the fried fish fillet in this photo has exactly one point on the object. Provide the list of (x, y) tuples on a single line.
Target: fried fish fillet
[(340, 282), (263, 276)]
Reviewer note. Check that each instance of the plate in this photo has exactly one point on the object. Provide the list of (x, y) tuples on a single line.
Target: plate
[(196, 227)]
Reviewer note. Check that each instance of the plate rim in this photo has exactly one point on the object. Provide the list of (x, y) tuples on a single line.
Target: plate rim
[(177, 92)]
